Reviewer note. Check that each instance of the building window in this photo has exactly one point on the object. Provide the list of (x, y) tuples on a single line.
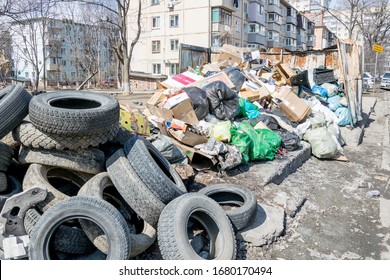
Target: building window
[(64, 62), (174, 45), (254, 28), (262, 30), (26, 74), (273, 2), (174, 69), (261, 10), (238, 27), (221, 16), (157, 69), (236, 3), (272, 17), (291, 28), (273, 36), (155, 22), (156, 46), (174, 21), (155, 2)]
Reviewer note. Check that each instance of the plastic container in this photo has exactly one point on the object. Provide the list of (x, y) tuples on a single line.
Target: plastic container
[(373, 193)]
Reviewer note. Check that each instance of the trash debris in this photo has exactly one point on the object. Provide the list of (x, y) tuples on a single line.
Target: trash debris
[(373, 193)]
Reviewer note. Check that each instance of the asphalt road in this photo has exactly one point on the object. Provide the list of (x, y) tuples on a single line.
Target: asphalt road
[(338, 220)]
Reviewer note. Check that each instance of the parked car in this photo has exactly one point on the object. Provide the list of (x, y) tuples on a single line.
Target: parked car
[(368, 81), (110, 82), (385, 81)]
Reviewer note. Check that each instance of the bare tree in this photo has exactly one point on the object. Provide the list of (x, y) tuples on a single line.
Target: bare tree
[(374, 23), (32, 36), (347, 13), (119, 14)]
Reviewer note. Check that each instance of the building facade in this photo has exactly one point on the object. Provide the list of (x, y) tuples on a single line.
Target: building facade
[(63, 47), (167, 24), (257, 24)]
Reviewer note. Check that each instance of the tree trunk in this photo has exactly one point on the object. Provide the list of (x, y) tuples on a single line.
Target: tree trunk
[(80, 87), (126, 76)]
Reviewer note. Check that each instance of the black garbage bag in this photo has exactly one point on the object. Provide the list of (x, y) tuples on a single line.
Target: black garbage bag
[(236, 76), (199, 101), (290, 141), (269, 121), (223, 101)]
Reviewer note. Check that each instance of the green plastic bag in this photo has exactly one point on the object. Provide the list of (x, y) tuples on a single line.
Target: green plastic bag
[(263, 143), (242, 141)]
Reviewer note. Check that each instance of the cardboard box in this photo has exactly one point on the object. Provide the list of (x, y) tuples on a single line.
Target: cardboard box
[(188, 138), (221, 76), (252, 95), (174, 100), (198, 159), (156, 98), (181, 80), (224, 56), (291, 105), (134, 122), (285, 71), (182, 111)]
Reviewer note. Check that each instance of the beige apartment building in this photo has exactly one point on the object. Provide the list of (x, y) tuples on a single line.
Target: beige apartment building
[(168, 23)]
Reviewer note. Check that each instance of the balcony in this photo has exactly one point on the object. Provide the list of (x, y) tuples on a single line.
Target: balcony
[(218, 27), (290, 48), (274, 9), (226, 4), (291, 19), (54, 67), (274, 27), (290, 34), (261, 2), (256, 38), (274, 44)]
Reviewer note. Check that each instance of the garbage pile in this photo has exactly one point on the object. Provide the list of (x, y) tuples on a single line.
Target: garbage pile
[(233, 111), (76, 186), (83, 177)]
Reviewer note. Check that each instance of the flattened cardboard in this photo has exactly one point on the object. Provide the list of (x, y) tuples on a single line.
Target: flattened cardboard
[(291, 105), (188, 138), (221, 76), (197, 159)]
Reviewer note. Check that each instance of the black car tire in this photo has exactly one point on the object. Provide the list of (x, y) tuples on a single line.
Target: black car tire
[(90, 160), (172, 229), (14, 102), (74, 113), (97, 210), (230, 194)]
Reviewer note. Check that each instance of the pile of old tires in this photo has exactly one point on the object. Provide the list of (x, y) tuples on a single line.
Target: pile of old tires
[(110, 194)]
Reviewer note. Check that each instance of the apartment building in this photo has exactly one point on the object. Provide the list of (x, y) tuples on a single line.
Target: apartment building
[(274, 24), (63, 50), (259, 24), (167, 24), (309, 5)]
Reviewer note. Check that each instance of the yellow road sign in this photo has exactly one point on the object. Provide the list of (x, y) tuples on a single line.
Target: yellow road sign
[(378, 48)]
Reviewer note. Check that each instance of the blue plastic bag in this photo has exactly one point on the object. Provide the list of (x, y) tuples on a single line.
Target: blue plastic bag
[(343, 116), (248, 109), (320, 91), (334, 102)]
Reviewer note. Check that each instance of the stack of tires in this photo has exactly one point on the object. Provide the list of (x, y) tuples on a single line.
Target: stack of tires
[(14, 102), (112, 204)]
